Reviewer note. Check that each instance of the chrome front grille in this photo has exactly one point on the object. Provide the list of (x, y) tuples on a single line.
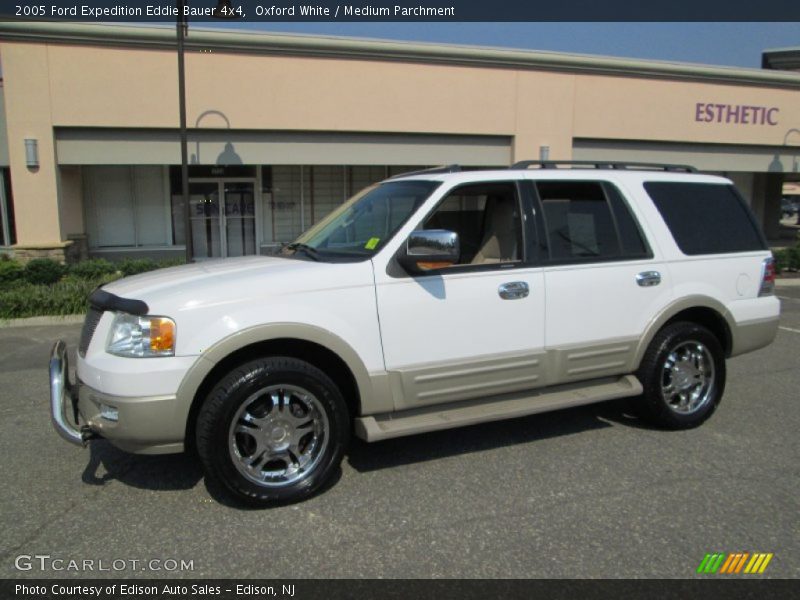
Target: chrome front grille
[(89, 326)]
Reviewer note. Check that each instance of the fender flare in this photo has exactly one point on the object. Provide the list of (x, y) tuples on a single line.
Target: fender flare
[(675, 308), (212, 356)]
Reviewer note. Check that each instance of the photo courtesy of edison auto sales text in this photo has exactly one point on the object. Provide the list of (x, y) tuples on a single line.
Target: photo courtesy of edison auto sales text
[(130, 589)]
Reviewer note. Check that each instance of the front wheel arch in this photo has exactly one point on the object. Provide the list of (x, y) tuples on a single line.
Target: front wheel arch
[(321, 357)]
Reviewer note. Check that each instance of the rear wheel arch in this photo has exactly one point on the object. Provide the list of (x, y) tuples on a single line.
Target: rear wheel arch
[(711, 320), (704, 311)]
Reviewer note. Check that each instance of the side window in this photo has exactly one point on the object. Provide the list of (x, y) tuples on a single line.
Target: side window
[(706, 218), (588, 221), (486, 218), (578, 220), (633, 244)]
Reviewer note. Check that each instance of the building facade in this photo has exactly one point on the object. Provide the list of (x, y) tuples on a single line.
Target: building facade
[(283, 128)]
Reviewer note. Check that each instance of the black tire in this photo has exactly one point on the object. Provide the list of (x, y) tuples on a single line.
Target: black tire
[(673, 380), (257, 413)]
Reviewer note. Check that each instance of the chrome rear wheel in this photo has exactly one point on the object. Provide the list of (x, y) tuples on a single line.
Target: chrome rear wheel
[(687, 377), (682, 375)]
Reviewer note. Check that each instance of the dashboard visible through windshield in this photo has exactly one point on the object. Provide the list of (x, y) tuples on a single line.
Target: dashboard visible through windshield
[(363, 224)]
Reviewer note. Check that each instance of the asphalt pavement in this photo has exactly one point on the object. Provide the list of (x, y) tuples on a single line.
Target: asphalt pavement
[(587, 492)]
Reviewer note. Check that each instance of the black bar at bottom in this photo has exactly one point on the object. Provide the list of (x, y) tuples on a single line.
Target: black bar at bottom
[(712, 586)]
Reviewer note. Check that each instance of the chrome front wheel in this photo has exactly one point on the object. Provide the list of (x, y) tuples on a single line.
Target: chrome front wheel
[(273, 430), (279, 435)]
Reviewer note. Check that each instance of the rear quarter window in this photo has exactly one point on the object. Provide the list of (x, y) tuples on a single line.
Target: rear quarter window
[(706, 218)]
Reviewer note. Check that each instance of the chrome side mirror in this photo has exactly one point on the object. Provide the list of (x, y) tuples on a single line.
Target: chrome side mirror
[(429, 249)]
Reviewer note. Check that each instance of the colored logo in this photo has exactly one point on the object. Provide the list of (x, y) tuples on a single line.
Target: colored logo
[(734, 564)]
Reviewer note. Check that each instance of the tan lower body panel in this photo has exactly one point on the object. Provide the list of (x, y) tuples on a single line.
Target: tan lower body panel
[(591, 361), (752, 335), (145, 425), (478, 378), (487, 377), (509, 406)]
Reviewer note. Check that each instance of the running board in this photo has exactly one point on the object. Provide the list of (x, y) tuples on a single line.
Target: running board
[(434, 418)]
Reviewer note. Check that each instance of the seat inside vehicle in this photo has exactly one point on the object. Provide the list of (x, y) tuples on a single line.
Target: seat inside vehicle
[(487, 220), (500, 241)]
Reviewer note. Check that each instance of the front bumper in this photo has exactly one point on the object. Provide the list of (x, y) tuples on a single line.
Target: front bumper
[(143, 425), (63, 399)]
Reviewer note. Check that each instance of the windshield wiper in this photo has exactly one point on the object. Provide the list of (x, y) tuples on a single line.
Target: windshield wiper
[(309, 251)]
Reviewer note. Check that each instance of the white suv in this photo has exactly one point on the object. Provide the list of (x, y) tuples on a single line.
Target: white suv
[(428, 301)]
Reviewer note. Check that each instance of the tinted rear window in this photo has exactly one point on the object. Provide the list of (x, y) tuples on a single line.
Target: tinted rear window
[(706, 218)]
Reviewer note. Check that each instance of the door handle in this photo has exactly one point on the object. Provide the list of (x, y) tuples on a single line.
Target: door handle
[(648, 278), (513, 290)]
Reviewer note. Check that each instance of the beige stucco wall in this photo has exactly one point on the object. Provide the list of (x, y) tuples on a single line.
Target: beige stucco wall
[(544, 115), (627, 108), (26, 77), (91, 87), (59, 85)]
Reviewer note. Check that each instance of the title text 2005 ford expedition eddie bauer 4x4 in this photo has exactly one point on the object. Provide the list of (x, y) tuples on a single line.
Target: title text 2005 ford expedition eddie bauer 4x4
[(431, 300)]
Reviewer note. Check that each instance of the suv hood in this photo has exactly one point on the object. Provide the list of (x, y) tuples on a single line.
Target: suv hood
[(223, 280)]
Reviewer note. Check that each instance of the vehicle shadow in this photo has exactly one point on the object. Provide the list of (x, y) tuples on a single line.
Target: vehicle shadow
[(174, 472), (165, 472), (364, 457)]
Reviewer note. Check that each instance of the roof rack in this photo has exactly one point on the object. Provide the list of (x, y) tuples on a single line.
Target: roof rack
[(431, 171), (555, 164)]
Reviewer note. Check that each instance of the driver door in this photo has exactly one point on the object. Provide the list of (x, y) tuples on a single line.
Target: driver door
[(474, 329)]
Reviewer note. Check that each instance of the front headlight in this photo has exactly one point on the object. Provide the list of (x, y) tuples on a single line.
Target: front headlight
[(141, 337)]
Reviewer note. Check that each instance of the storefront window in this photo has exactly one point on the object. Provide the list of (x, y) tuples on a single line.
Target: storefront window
[(7, 231), (324, 190), (142, 206), (126, 206), (282, 200)]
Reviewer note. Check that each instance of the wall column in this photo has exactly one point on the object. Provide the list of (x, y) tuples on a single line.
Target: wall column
[(767, 189), (28, 115), (544, 107)]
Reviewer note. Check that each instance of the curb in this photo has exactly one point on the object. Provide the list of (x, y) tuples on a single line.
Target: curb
[(37, 321), (788, 282)]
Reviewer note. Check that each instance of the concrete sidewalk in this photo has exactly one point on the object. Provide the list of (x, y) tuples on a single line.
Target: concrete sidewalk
[(37, 321), (787, 282)]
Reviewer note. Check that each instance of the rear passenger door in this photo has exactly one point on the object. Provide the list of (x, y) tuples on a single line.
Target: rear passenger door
[(602, 282)]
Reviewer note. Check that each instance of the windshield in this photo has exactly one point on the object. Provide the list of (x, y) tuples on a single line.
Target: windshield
[(363, 224)]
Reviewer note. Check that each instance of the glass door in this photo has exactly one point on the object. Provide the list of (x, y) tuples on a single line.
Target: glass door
[(240, 218), (223, 218), (205, 218)]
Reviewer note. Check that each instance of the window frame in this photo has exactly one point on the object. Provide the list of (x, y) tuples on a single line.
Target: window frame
[(546, 257), (524, 204)]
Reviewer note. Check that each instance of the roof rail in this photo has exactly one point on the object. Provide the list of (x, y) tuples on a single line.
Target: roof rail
[(431, 171), (555, 164)]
